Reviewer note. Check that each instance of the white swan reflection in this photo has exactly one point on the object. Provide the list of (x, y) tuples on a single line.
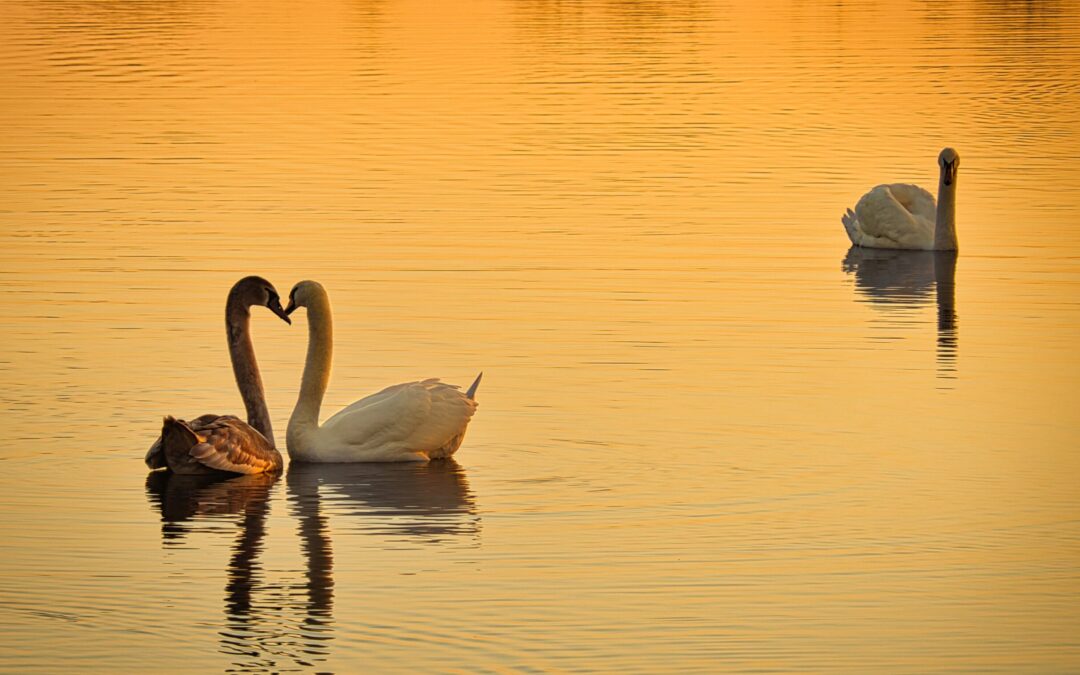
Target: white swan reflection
[(895, 280), (276, 626), (419, 502)]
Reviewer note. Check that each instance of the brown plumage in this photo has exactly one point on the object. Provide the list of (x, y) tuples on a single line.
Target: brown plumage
[(214, 443)]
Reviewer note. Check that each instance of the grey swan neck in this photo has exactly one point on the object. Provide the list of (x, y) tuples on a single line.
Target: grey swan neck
[(320, 353), (245, 367), (945, 222)]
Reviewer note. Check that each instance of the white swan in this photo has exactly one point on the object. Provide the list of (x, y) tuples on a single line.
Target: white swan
[(213, 443), (905, 216), (411, 422)]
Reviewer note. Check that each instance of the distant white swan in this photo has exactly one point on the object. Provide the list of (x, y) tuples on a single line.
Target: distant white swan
[(410, 422), (905, 216), (213, 443)]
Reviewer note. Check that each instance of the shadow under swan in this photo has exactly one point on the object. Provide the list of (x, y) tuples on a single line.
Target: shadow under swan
[(895, 280)]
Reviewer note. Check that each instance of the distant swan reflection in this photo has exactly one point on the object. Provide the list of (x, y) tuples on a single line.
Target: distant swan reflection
[(894, 279), (275, 626)]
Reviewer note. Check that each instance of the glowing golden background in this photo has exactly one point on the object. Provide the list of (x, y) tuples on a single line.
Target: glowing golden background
[(708, 439)]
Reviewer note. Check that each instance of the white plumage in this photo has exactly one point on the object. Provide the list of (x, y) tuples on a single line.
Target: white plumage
[(907, 216), (415, 421)]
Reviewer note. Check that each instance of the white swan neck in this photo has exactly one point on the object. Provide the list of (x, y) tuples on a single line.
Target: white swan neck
[(305, 416), (945, 225), (246, 368)]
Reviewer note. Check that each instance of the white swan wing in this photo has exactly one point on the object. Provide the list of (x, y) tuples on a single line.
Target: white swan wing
[(416, 420), (893, 216), (372, 399), (915, 200)]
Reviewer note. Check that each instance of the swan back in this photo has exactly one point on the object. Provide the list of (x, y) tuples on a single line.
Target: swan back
[(897, 215), (415, 421), (213, 443)]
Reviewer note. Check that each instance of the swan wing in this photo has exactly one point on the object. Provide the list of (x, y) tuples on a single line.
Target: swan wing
[(915, 200), (156, 457), (372, 399), (215, 443), (893, 216), (415, 420)]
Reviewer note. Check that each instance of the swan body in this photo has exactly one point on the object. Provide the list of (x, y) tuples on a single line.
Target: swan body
[(905, 216), (214, 443), (410, 422)]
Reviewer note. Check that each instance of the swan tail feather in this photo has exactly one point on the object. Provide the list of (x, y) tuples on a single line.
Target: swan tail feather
[(173, 429), (177, 440), (471, 393), (155, 456), (851, 225)]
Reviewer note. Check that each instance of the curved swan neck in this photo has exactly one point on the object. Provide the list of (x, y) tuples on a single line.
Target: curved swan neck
[(320, 351), (245, 367), (945, 225)]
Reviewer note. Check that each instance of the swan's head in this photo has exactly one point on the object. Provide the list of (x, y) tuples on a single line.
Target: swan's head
[(251, 291), (949, 161), (304, 294)]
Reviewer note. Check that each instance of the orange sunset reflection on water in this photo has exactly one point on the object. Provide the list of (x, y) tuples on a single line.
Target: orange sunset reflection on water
[(710, 436)]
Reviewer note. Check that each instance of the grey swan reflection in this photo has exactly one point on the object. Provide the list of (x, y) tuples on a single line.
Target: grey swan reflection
[(275, 626), (268, 627), (896, 279)]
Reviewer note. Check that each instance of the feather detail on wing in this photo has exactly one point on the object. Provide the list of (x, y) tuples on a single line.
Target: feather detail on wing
[(893, 216), (915, 200), (424, 419), (213, 443)]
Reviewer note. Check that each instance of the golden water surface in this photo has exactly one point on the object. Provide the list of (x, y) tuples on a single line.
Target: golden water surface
[(711, 438)]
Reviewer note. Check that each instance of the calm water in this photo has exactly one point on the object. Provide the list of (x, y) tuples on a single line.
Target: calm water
[(711, 437)]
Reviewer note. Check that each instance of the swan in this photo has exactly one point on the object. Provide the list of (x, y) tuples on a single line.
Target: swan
[(223, 442), (410, 422), (905, 216)]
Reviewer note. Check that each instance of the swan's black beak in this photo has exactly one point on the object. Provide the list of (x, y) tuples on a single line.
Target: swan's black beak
[(275, 306), (948, 173), (290, 309)]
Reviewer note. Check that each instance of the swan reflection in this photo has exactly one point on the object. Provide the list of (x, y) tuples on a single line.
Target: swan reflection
[(275, 626), (182, 499), (896, 279), (267, 626), (415, 501)]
